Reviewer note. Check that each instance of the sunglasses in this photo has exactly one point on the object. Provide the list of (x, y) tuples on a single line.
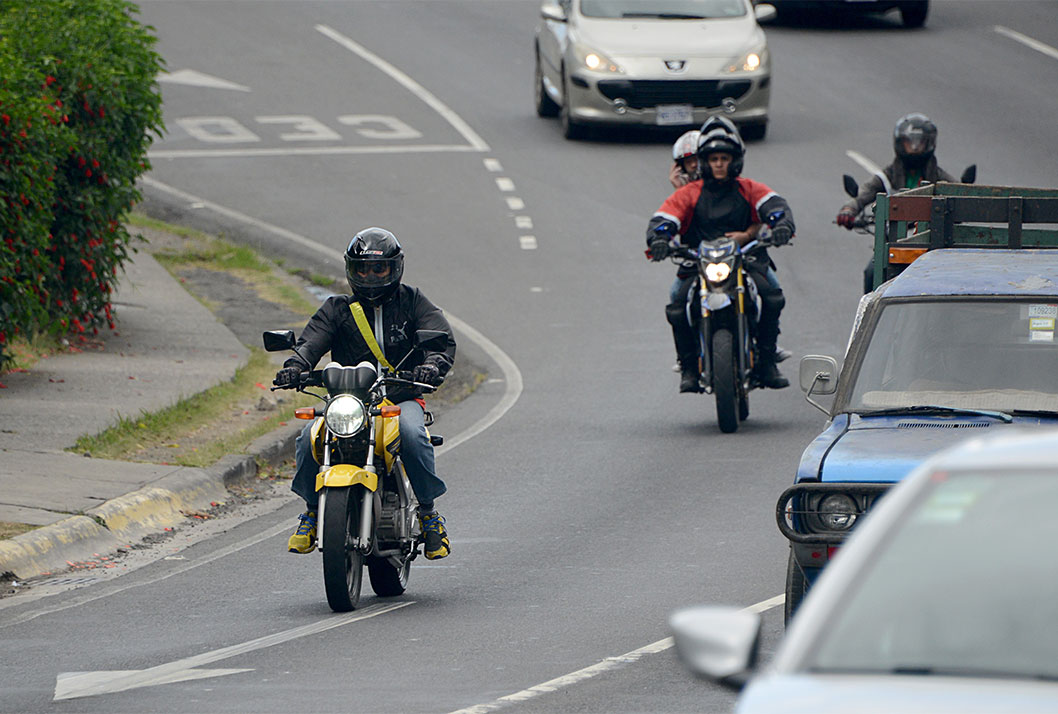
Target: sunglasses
[(376, 268)]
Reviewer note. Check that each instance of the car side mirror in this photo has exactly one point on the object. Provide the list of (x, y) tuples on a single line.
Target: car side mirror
[(851, 187), (969, 175), (278, 340), (720, 643), (818, 375), (434, 340), (765, 12), (554, 12)]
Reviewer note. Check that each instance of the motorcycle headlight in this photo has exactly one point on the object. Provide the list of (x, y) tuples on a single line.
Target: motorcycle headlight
[(345, 415), (717, 272), (837, 512), (594, 60)]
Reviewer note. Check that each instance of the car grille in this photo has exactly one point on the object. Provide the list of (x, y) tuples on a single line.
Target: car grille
[(644, 93)]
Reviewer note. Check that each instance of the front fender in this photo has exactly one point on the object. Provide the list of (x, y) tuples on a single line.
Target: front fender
[(346, 475)]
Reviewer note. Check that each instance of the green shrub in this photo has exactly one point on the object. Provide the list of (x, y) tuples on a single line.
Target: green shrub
[(80, 76)]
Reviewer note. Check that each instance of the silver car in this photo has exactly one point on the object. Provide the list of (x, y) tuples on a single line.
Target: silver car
[(945, 600), (653, 62)]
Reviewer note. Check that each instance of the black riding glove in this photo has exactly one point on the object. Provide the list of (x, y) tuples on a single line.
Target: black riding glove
[(427, 374), (659, 249), (781, 235), (286, 377)]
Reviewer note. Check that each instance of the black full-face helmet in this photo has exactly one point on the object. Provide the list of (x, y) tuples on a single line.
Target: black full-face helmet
[(719, 135), (914, 139), (374, 264)]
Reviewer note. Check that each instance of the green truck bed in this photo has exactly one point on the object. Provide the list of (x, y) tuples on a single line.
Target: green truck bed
[(959, 215)]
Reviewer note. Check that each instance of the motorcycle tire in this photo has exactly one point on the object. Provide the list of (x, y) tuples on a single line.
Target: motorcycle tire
[(387, 580), (725, 381), (343, 565)]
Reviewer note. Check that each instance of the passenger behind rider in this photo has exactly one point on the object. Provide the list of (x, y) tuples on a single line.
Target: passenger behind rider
[(374, 265), (722, 203), (684, 167), (914, 141)]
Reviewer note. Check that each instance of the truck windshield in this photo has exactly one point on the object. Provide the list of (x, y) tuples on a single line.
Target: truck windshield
[(967, 584), (967, 354), (663, 9)]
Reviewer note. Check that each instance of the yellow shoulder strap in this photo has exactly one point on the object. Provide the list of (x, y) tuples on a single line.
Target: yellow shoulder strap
[(368, 334)]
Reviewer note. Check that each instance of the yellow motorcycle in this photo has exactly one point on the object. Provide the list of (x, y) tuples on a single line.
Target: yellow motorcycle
[(367, 506)]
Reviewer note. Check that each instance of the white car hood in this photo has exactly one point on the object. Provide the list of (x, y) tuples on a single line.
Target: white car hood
[(671, 39)]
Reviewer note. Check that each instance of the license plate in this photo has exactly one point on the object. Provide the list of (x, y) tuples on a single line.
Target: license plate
[(672, 114)]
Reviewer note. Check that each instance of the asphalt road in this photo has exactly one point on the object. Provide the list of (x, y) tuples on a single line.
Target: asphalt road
[(602, 500)]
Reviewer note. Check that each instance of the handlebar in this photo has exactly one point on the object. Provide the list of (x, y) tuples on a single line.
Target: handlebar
[(402, 378)]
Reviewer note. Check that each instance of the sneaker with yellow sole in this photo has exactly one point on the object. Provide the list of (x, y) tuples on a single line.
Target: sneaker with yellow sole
[(434, 535), (304, 538)]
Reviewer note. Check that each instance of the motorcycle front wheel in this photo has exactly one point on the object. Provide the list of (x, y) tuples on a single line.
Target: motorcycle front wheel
[(725, 381), (343, 565)]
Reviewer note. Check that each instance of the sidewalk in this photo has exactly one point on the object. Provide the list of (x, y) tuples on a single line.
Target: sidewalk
[(166, 346)]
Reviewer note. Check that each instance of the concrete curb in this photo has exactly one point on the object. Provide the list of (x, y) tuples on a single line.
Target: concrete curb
[(120, 521)]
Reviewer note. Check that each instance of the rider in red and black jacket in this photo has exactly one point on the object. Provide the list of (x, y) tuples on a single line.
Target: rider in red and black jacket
[(722, 203)]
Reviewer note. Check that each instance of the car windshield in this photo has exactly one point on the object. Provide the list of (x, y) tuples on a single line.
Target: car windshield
[(966, 354), (663, 9), (966, 585)]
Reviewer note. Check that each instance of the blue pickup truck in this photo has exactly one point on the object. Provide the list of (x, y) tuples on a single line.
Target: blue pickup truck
[(961, 343)]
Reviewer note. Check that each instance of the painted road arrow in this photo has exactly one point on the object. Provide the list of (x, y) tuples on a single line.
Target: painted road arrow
[(198, 79), (72, 685)]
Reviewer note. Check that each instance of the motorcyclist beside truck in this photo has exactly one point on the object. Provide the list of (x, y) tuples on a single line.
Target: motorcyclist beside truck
[(722, 202), (380, 318)]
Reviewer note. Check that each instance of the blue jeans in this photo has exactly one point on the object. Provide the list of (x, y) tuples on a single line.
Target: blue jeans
[(416, 452)]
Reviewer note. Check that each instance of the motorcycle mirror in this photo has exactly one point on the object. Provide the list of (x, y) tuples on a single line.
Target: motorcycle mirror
[(851, 187), (969, 175), (278, 340), (431, 339)]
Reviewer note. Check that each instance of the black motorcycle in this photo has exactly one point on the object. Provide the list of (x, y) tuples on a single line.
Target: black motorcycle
[(724, 306)]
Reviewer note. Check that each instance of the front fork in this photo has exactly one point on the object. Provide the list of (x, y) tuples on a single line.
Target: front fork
[(706, 331), (362, 542)]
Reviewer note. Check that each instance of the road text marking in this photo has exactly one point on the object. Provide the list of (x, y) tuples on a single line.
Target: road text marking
[(192, 78)]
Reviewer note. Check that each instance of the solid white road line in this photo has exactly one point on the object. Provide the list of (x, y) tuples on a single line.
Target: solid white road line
[(408, 83), (863, 161), (71, 685), (1027, 41), (607, 665)]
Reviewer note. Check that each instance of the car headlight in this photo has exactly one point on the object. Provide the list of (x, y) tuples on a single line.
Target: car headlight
[(345, 415), (717, 272), (750, 62), (837, 512), (594, 60)]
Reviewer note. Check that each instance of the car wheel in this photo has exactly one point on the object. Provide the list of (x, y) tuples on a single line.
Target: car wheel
[(914, 12), (754, 132), (545, 105), (570, 129), (795, 588)]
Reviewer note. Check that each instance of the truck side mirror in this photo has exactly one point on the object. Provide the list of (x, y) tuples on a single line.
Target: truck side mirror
[(818, 375), (851, 187)]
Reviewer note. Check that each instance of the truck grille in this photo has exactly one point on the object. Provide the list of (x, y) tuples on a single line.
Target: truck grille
[(644, 93)]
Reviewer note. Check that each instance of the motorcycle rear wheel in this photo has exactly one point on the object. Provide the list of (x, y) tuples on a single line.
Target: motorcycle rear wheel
[(725, 381), (343, 565), (387, 580)]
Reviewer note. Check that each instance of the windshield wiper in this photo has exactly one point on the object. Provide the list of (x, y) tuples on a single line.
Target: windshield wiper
[(938, 409), (664, 15), (1034, 412)]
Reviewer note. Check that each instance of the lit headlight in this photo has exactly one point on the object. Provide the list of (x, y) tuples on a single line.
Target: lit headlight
[(837, 512), (594, 60), (345, 415), (717, 272), (749, 62)]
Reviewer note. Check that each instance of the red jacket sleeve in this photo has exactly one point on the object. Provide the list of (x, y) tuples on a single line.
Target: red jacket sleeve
[(679, 207), (756, 194)]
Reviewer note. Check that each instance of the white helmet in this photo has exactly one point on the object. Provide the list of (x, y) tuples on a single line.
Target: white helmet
[(686, 146)]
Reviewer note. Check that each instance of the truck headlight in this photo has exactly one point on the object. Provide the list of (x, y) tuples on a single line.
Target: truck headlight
[(345, 415), (838, 512)]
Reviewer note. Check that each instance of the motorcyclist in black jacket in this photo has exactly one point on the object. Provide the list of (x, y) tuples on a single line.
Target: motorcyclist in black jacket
[(914, 141), (374, 265)]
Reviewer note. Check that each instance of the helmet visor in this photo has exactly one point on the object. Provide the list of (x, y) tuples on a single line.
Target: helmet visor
[(915, 144), (371, 273)]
